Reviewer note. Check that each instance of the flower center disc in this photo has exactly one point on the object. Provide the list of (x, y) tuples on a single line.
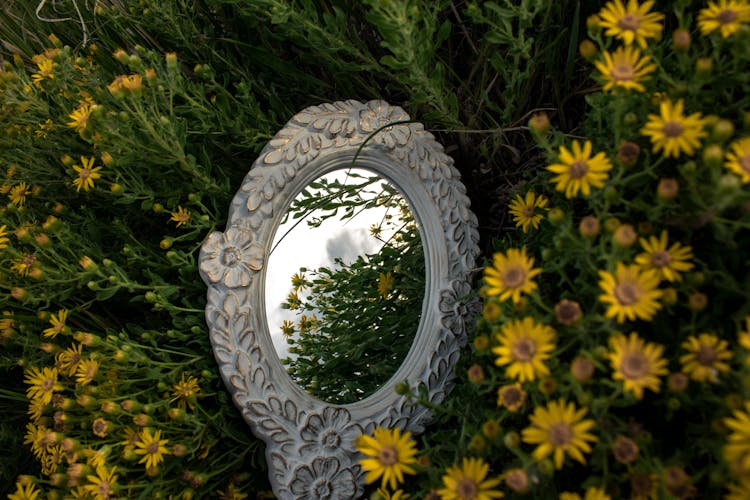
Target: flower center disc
[(634, 366), (672, 129), (623, 73), (626, 294), (152, 448), (661, 258), (230, 257), (628, 22), (467, 489), (388, 455), (514, 277), (706, 356), (560, 434), (726, 16), (511, 396), (48, 384), (578, 169), (84, 174), (524, 350), (528, 211), (745, 163), (331, 439)]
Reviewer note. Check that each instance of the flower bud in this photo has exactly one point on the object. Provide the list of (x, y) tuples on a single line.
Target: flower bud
[(567, 312), (697, 301), (171, 59), (594, 24), (511, 439), (625, 236), (668, 189), (539, 123), (475, 373), (587, 49), (722, 130), (611, 224), (669, 296), (556, 216), (704, 66), (582, 369), (628, 152), (481, 343), (713, 155), (681, 39)]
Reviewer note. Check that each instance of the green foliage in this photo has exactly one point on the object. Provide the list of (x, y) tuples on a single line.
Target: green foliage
[(104, 217)]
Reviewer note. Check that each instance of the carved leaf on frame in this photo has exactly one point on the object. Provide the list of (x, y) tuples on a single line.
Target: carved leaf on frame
[(338, 118)]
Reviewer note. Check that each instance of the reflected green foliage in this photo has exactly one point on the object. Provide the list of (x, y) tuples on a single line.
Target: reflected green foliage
[(355, 320)]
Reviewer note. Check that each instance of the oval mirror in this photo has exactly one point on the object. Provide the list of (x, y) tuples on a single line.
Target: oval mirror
[(310, 436), (345, 283)]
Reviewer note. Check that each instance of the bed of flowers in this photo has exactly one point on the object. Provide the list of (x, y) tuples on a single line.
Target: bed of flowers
[(612, 355)]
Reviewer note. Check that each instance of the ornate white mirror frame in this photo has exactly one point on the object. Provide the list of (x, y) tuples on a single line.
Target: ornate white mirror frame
[(310, 446)]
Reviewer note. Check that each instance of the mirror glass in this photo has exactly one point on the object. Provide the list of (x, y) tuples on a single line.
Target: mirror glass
[(344, 286)]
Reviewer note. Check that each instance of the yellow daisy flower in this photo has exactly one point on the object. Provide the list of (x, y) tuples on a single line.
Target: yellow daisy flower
[(631, 23), (737, 159), (152, 447), (185, 392), (578, 171), (25, 491), (738, 491), (630, 293), (79, 118), (43, 383), (469, 482), (726, 16), (18, 194), (625, 68), (58, 324), (87, 371), (637, 363), (668, 262), (45, 72), (23, 265), (743, 339), (510, 275), (737, 449), (181, 216), (524, 210), (102, 485), (87, 174), (396, 495), (674, 132), (706, 357), (385, 284), (68, 360), (388, 454), (4, 240), (524, 346), (559, 429)]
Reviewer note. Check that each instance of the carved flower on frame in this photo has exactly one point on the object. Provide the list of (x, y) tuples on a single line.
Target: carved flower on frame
[(458, 307), (378, 114), (231, 257), (330, 433), (325, 480)]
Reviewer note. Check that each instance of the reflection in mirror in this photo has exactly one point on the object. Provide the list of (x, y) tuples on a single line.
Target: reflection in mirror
[(344, 285)]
